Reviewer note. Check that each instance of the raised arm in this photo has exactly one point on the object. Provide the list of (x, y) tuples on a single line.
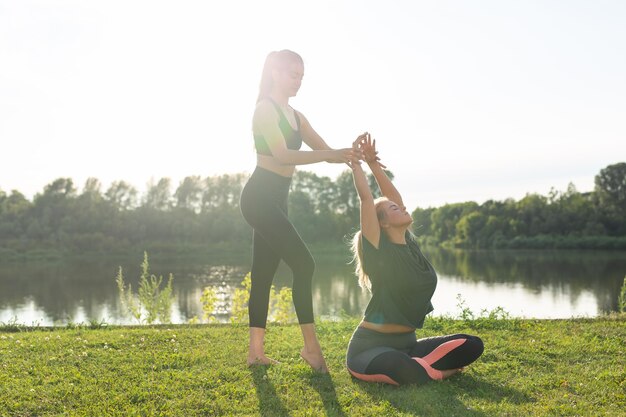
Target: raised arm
[(370, 228), (265, 121), (368, 145)]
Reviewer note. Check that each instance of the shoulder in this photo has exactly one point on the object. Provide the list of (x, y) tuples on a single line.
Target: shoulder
[(300, 116), (368, 247), (264, 105), (411, 239), (265, 110)]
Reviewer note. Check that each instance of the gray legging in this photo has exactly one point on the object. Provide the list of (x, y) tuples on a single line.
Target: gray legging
[(263, 205), (400, 358)]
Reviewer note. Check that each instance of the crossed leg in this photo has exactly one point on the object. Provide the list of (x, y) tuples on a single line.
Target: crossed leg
[(432, 358)]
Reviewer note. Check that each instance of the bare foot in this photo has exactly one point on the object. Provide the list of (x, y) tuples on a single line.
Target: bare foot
[(449, 372), (315, 361), (261, 360)]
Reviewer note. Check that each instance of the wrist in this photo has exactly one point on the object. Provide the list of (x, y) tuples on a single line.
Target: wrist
[(356, 165)]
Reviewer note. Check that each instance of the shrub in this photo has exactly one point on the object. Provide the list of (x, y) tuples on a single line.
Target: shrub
[(152, 303)]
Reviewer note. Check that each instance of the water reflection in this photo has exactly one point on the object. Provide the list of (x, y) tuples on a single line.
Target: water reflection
[(542, 284), (576, 276)]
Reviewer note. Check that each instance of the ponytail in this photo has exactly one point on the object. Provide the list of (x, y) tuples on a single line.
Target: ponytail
[(357, 258), (356, 246)]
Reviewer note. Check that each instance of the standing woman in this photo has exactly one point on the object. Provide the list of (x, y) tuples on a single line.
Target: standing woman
[(384, 347), (279, 131)]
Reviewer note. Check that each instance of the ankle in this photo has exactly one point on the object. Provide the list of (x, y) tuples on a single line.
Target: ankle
[(312, 349)]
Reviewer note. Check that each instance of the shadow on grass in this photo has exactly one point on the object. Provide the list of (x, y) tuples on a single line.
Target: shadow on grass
[(441, 399), (270, 404), (324, 385)]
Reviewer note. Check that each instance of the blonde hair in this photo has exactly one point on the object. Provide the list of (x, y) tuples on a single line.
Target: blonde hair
[(357, 247)]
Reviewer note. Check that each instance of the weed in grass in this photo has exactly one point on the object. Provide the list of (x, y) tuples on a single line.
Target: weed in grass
[(208, 300), (239, 301), (466, 313), (497, 318), (621, 301), (12, 325), (95, 324), (152, 300), (280, 307)]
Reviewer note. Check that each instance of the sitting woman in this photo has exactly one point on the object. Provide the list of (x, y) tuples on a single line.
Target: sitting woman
[(384, 347)]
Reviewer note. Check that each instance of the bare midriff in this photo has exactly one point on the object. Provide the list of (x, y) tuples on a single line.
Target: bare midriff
[(387, 327), (269, 163)]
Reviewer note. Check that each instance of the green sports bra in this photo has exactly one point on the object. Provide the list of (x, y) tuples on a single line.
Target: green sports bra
[(293, 138)]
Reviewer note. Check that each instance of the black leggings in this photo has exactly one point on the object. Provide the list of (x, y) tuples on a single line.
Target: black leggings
[(400, 358), (263, 204)]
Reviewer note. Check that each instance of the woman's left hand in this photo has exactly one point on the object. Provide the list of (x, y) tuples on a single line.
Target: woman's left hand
[(368, 145)]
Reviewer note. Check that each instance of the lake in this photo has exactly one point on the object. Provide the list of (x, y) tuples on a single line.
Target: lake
[(530, 284)]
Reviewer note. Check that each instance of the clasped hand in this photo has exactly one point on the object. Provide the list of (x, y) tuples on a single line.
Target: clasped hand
[(367, 146)]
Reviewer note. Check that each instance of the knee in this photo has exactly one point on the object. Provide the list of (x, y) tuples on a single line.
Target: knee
[(260, 288), (475, 345), (304, 269)]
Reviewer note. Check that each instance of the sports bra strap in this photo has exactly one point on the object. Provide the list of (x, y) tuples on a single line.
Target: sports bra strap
[(282, 115)]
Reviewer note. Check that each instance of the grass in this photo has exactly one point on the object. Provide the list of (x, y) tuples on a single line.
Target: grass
[(573, 367)]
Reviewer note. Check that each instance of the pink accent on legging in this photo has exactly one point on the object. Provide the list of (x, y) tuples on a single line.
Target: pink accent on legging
[(373, 378), (432, 372), (442, 350)]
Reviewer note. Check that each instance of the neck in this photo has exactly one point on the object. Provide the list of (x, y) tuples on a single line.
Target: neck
[(396, 235), (280, 99)]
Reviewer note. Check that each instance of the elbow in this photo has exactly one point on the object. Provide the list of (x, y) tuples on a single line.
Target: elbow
[(282, 157)]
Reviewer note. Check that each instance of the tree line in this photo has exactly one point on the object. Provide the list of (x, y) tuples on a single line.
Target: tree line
[(203, 213), (562, 219)]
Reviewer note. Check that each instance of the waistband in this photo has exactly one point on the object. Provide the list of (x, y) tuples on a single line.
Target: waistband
[(269, 177), (366, 344), (398, 340)]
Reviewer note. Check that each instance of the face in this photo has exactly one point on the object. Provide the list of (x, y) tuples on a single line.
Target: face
[(289, 79), (395, 215)]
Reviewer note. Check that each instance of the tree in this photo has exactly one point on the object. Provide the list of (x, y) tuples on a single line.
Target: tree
[(60, 188), (610, 191), (92, 189), (14, 210), (188, 195), (445, 218), (531, 215), (422, 221), (222, 191), (469, 229), (53, 207), (322, 191), (122, 195), (610, 185), (158, 196)]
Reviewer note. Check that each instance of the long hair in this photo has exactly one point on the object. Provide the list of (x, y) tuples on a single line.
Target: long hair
[(275, 60), (357, 247)]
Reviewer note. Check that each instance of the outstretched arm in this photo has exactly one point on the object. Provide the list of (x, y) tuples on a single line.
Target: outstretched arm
[(368, 145), (369, 221), (265, 121)]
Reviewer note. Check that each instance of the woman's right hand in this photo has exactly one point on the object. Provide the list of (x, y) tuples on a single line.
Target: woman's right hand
[(370, 154), (344, 155)]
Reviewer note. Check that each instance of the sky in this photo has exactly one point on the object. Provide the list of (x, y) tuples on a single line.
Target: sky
[(468, 100)]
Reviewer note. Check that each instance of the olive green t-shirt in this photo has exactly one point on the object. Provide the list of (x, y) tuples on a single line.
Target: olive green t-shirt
[(403, 282)]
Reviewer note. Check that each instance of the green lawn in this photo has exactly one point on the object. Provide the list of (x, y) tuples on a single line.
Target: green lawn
[(530, 368)]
